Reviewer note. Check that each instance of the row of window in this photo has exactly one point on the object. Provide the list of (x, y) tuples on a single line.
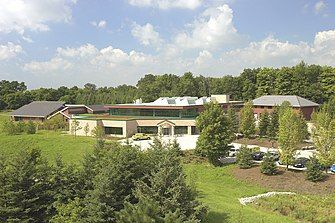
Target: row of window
[(154, 112), (178, 130)]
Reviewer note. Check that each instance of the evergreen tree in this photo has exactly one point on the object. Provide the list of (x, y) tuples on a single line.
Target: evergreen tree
[(233, 119), (114, 183), (215, 133), (263, 124), (314, 170), (268, 166), (244, 157), (26, 193), (247, 121), (164, 195)]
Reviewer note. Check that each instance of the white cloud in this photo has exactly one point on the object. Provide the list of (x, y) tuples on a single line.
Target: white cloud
[(27, 39), (167, 4), (319, 7), (213, 28), (146, 34), (9, 50), (21, 15), (101, 24), (55, 64)]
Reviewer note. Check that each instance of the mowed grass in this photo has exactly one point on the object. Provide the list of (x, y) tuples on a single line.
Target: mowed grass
[(220, 191), (51, 143)]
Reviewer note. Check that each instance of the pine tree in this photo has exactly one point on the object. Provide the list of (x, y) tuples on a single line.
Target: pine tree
[(233, 119), (244, 157), (215, 133), (263, 123), (114, 183), (26, 191), (247, 122), (164, 196), (268, 166), (314, 170)]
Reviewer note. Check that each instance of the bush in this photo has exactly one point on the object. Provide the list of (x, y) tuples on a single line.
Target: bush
[(314, 170), (9, 127), (268, 165), (244, 157), (20, 127), (30, 128)]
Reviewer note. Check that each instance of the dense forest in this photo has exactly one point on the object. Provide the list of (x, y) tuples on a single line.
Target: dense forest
[(313, 82)]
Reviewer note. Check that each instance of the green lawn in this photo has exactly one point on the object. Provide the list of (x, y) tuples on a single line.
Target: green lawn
[(51, 143), (220, 191)]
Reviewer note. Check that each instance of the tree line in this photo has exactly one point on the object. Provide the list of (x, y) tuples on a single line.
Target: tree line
[(314, 82), (115, 183)]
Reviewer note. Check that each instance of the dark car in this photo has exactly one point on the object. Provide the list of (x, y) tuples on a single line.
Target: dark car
[(300, 162), (258, 156)]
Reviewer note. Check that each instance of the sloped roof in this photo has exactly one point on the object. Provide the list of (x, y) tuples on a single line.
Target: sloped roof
[(273, 100), (38, 109), (97, 108)]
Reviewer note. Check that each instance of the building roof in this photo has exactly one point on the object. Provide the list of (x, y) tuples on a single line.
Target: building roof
[(273, 100), (97, 108), (38, 109)]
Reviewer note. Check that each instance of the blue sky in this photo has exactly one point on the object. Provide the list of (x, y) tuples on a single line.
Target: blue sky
[(110, 42)]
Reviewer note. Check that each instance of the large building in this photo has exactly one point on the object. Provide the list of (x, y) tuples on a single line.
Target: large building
[(40, 111), (299, 104), (165, 116), (37, 111)]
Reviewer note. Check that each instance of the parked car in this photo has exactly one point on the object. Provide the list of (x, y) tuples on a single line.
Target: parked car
[(332, 168), (140, 136), (233, 152), (300, 162), (258, 156), (275, 155)]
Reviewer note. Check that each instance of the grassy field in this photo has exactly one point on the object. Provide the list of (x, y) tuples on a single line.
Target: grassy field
[(51, 143)]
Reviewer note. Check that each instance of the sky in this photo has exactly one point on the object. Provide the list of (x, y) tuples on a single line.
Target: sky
[(52, 43)]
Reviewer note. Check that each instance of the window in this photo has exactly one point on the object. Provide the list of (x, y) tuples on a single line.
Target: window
[(113, 130), (147, 129), (194, 130), (180, 130), (166, 113)]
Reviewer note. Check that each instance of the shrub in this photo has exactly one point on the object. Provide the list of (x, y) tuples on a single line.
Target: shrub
[(268, 165), (314, 170), (30, 128), (20, 127), (9, 127), (244, 157)]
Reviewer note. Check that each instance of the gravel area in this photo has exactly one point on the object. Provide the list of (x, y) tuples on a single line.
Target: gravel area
[(247, 200)]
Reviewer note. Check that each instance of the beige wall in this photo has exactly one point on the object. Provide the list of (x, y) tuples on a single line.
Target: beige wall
[(129, 127), (82, 123), (114, 123)]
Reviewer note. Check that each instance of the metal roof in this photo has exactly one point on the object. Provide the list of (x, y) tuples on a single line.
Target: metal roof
[(38, 109), (273, 100)]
